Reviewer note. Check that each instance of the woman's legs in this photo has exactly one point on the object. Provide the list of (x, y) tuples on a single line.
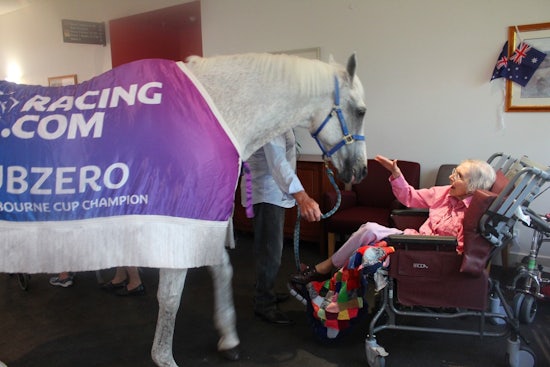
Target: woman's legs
[(368, 233), (120, 275), (134, 280), (126, 281)]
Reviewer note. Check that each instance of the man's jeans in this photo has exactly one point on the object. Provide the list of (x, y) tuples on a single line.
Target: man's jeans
[(268, 226)]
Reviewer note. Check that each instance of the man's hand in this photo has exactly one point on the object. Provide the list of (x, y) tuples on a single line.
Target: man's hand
[(309, 209)]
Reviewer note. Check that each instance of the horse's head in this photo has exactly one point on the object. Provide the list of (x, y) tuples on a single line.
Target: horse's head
[(340, 133)]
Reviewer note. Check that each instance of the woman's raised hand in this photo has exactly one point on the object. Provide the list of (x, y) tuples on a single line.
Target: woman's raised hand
[(390, 165)]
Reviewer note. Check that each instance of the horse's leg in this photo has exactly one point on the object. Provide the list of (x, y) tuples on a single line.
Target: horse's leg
[(224, 309), (170, 288)]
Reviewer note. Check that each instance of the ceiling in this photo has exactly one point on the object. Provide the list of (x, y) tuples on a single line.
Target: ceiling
[(7, 6)]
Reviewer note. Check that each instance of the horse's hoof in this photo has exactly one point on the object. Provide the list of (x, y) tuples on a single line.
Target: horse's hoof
[(233, 354)]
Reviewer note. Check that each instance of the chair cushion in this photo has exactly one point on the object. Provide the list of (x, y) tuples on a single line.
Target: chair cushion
[(349, 220), (375, 190), (348, 200), (371, 200), (500, 182), (443, 173), (477, 249)]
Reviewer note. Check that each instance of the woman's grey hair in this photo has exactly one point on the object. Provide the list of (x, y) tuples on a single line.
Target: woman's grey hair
[(480, 174)]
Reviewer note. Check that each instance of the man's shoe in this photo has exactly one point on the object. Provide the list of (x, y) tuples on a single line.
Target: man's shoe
[(274, 316), (309, 275)]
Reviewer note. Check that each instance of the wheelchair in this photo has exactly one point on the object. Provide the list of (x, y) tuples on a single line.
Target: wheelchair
[(427, 279)]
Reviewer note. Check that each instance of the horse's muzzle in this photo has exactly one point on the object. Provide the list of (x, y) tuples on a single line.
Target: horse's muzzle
[(353, 175)]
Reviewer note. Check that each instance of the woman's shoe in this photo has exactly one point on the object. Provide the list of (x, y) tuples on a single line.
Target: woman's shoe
[(110, 286), (137, 291), (309, 275)]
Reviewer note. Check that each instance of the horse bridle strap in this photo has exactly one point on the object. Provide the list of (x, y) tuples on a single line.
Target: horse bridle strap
[(336, 110)]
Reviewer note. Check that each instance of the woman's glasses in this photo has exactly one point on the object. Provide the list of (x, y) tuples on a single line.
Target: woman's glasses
[(455, 175)]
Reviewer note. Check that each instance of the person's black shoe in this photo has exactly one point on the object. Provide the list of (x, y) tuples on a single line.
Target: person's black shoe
[(274, 316), (137, 291), (281, 297), (110, 286), (233, 354), (309, 275)]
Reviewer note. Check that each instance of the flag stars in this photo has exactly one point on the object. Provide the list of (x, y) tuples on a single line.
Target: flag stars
[(534, 60)]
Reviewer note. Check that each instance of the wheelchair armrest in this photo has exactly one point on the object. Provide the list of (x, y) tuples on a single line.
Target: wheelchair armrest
[(422, 242), (396, 205), (349, 199), (415, 212), (409, 217)]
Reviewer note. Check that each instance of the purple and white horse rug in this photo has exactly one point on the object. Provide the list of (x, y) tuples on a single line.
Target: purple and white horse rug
[(133, 167)]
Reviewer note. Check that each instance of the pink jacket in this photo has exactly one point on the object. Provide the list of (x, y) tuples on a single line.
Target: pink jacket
[(446, 213)]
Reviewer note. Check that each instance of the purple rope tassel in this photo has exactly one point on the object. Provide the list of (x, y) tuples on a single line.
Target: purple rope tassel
[(248, 179)]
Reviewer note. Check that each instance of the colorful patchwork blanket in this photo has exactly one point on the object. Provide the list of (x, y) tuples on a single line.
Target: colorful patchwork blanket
[(338, 303), (133, 167)]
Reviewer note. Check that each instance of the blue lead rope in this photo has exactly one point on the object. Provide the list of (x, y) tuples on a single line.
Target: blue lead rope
[(330, 175)]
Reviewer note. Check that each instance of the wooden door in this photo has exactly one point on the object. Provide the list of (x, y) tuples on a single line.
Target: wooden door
[(172, 33)]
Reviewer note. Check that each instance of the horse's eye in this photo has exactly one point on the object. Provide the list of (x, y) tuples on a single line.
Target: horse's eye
[(360, 111)]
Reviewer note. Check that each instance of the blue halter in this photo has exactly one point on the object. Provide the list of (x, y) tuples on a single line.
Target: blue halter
[(347, 138)]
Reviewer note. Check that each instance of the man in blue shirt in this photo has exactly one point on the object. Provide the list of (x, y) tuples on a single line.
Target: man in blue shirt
[(275, 187)]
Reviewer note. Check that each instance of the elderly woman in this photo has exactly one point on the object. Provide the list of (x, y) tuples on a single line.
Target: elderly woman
[(446, 205)]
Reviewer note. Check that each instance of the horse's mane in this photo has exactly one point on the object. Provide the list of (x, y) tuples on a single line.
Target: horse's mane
[(307, 76)]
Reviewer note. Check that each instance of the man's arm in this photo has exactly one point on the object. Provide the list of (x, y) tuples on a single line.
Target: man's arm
[(284, 175)]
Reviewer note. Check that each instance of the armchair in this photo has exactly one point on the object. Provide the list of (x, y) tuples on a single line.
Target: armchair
[(371, 200)]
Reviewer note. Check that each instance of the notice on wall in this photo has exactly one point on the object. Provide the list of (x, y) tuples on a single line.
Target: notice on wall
[(77, 31)]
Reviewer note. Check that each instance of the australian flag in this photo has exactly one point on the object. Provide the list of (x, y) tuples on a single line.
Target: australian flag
[(501, 69), (519, 67)]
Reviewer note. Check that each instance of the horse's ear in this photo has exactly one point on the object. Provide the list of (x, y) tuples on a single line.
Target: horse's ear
[(352, 64), (331, 59)]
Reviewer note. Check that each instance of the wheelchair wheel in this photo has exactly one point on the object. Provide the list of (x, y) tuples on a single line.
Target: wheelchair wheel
[(23, 280), (376, 355), (525, 357), (528, 309), (516, 304), (378, 362)]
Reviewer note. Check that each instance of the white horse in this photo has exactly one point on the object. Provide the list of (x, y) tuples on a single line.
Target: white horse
[(259, 97)]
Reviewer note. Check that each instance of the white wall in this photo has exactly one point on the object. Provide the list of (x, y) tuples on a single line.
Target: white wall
[(31, 38), (425, 64)]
